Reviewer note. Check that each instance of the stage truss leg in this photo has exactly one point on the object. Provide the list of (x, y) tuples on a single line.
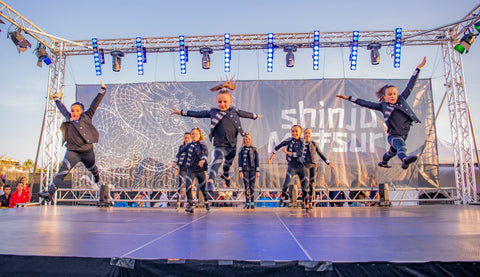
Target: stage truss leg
[(51, 136), (462, 136)]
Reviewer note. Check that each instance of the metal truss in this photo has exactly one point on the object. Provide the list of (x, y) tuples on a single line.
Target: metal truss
[(445, 36), (236, 197)]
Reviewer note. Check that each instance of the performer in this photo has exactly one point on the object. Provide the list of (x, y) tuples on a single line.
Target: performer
[(296, 162), (249, 170), (311, 165), (197, 154), (180, 164), (398, 117), (225, 126), (79, 134)]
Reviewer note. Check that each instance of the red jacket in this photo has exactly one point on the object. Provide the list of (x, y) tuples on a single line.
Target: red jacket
[(15, 199)]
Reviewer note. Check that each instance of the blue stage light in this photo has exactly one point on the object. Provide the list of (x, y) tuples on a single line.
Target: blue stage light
[(227, 52), (397, 48), (141, 56), (183, 55), (96, 57), (316, 49), (354, 51), (270, 48)]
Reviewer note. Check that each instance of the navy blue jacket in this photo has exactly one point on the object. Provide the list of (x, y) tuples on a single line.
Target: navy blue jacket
[(313, 148), (83, 125), (232, 113), (181, 159), (387, 108), (296, 147), (196, 151), (248, 159)]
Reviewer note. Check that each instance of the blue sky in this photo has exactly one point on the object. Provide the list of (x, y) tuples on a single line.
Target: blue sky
[(23, 85)]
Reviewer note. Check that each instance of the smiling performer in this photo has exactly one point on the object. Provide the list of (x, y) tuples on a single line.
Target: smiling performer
[(79, 134), (398, 117), (225, 126)]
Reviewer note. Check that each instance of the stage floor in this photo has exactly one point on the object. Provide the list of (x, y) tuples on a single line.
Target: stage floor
[(346, 234)]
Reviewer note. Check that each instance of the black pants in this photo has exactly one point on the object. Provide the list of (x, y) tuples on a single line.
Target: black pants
[(180, 182), (201, 178), (311, 172), (249, 184), (71, 159), (219, 154), (292, 171)]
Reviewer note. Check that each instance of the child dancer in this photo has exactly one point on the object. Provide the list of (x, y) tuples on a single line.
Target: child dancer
[(180, 164), (311, 164), (296, 161), (225, 126), (197, 153), (398, 117), (79, 134), (249, 169)]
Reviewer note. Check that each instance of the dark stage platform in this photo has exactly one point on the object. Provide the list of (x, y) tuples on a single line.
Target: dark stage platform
[(368, 239)]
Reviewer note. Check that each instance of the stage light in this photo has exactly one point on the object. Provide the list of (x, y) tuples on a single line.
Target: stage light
[(290, 58), (183, 55), (477, 26), (141, 56), (117, 60), (19, 40), (354, 51), (98, 57), (42, 55), (270, 48), (206, 51), (1, 22), (397, 48), (227, 52), (374, 54), (316, 49), (464, 45)]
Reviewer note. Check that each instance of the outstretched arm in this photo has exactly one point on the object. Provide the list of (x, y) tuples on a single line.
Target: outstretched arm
[(97, 100), (413, 79), (361, 102)]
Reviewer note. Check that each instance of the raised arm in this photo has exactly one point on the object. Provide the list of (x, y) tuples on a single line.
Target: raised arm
[(361, 102), (411, 83), (96, 101)]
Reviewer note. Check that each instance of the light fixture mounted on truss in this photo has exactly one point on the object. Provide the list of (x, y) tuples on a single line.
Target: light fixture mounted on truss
[(290, 57), (374, 54), (19, 40), (42, 55), (206, 51)]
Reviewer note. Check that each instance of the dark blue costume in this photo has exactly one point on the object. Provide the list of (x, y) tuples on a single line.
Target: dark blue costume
[(224, 129), (79, 136), (195, 151), (296, 165), (181, 161), (311, 165), (398, 118), (248, 164)]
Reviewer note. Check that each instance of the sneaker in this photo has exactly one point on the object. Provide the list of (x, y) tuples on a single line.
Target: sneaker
[(280, 203), (247, 206), (207, 206), (227, 179), (408, 160), (252, 206), (385, 165), (189, 209)]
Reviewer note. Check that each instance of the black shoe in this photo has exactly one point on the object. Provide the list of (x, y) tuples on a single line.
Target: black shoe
[(247, 206), (281, 202), (252, 206), (48, 195), (227, 179), (408, 160), (189, 209), (207, 206), (385, 165)]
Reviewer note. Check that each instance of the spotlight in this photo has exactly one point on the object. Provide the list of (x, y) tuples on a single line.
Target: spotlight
[(270, 48), (183, 55), (477, 26), (1, 22), (464, 45), (316, 48), (374, 55), (141, 56), (42, 55), (206, 51), (19, 41), (227, 52), (354, 51), (117, 60), (290, 58), (98, 57), (397, 48)]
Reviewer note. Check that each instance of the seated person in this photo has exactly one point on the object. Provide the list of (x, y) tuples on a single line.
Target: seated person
[(19, 196), (5, 198), (117, 202)]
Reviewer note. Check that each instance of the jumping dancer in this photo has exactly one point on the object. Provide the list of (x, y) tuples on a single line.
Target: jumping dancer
[(79, 134), (225, 126), (398, 117)]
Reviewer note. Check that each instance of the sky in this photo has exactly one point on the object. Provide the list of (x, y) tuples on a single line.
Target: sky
[(23, 85)]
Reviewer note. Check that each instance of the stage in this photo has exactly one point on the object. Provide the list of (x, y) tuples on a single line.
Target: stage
[(82, 240)]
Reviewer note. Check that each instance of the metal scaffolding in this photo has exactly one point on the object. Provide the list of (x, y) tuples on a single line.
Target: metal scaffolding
[(444, 36)]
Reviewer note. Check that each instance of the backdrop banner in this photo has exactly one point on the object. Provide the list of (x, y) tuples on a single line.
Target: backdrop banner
[(139, 137)]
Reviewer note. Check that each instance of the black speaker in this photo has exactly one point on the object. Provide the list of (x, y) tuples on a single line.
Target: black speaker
[(384, 196)]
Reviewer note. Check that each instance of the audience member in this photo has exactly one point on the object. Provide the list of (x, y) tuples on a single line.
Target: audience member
[(18, 196), (117, 202), (5, 198)]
